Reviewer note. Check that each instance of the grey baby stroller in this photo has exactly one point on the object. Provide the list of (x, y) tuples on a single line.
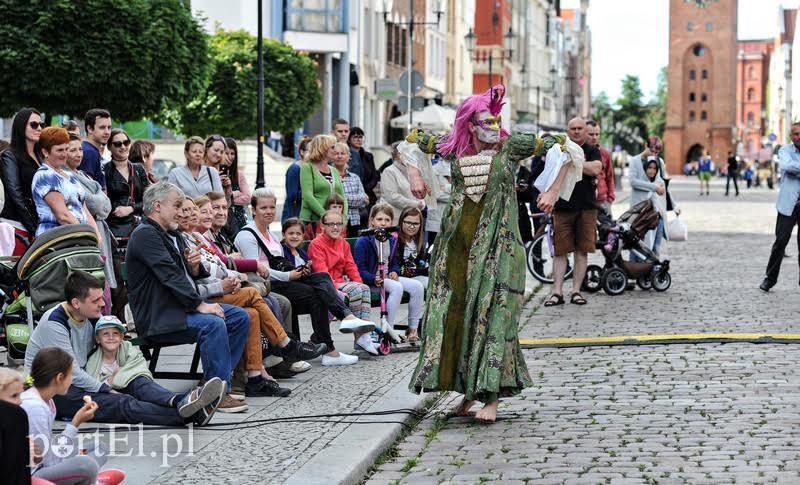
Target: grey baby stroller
[(627, 234)]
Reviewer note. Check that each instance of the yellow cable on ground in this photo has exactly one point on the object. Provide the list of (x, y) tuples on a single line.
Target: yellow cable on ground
[(688, 338)]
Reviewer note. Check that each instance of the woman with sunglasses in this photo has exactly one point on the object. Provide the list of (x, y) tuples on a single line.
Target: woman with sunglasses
[(18, 165), (59, 197), (125, 185)]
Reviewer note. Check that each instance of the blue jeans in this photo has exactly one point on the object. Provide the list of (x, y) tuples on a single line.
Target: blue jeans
[(221, 341), (118, 408), (659, 235), (145, 389)]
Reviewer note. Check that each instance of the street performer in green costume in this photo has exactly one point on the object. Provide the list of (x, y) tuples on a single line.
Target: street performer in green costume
[(477, 276)]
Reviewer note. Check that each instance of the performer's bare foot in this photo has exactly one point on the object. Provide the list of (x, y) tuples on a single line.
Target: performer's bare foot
[(489, 413), (464, 408)]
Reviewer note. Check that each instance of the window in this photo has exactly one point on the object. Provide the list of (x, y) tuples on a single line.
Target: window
[(698, 50), (691, 97), (703, 116), (704, 97), (751, 94), (751, 72), (314, 15), (692, 75), (751, 117), (691, 115), (704, 74), (690, 26), (709, 26)]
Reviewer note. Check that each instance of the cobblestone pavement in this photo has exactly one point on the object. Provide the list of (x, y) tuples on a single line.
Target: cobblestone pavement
[(707, 413)]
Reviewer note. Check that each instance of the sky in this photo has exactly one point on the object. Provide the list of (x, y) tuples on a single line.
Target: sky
[(632, 37)]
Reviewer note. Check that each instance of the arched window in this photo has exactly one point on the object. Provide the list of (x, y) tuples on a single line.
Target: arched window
[(698, 50), (703, 116), (751, 117), (751, 94), (691, 115), (704, 74), (692, 75), (704, 97), (691, 97)]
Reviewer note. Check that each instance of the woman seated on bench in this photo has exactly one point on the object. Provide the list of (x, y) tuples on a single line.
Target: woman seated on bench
[(330, 253), (308, 291), (225, 286)]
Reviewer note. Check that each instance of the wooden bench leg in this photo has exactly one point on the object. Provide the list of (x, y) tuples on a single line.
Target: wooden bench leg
[(195, 362), (154, 360)]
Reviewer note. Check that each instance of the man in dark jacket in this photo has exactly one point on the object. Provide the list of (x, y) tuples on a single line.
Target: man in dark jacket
[(164, 299)]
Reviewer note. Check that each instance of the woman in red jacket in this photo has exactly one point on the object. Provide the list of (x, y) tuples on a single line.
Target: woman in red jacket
[(330, 253)]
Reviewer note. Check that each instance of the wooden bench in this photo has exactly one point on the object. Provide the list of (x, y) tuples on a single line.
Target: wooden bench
[(151, 352)]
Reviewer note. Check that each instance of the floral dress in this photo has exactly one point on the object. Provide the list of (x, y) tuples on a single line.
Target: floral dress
[(477, 280)]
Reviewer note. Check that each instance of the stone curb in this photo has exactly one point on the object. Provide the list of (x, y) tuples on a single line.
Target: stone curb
[(349, 456)]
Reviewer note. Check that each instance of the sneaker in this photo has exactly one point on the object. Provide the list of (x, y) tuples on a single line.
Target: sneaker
[(365, 343), (343, 359), (300, 366), (237, 393), (203, 416), (356, 325), (266, 388), (201, 397), (281, 371), (272, 360), (231, 405), (303, 350)]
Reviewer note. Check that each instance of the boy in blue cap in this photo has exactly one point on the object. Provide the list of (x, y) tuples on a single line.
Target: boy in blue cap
[(122, 366)]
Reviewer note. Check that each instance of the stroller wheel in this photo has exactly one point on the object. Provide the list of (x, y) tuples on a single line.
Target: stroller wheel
[(385, 346), (661, 280), (614, 281), (594, 275), (645, 282)]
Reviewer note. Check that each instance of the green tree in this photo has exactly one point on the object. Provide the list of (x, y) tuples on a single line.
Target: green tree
[(656, 118), (603, 113), (133, 57), (227, 104), (631, 113)]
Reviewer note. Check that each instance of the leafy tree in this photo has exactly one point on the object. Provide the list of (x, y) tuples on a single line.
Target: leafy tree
[(656, 119), (603, 113), (133, 57), (227, 104)]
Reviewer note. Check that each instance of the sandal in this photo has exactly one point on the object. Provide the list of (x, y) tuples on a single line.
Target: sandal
[(554, 300), (577, 299)]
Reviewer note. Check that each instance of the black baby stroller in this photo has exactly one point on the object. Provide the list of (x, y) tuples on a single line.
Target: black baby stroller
[(627, 233)]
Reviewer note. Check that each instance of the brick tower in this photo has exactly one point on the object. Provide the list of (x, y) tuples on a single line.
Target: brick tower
[(701, 99)]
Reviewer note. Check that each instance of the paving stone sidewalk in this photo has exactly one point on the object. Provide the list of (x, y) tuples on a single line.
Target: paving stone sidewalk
[(708, 413)]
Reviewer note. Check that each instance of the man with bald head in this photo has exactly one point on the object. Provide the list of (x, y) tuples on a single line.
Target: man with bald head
[(575, 220)]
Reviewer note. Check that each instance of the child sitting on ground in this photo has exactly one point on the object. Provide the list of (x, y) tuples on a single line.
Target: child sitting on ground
[(51, 374), (123, 367), (368, 257)]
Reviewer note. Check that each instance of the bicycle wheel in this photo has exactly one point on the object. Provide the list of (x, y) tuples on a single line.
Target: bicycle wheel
[(540, 263)]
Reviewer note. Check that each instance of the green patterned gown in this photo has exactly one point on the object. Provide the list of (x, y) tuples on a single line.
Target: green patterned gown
[(477, 279)]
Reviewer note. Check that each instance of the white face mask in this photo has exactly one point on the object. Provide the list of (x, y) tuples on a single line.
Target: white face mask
[(488, 127)]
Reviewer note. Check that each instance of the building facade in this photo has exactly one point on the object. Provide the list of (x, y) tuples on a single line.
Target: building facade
[(701, 80), (780, 107), (752, 74)]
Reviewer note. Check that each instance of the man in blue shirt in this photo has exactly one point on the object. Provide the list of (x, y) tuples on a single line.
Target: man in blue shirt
[(98, 130), (787, 205)]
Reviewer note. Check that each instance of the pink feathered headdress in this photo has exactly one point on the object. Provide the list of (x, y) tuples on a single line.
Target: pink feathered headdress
[(459, 141)]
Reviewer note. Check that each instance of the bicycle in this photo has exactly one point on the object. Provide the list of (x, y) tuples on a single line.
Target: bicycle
[(539, 253)]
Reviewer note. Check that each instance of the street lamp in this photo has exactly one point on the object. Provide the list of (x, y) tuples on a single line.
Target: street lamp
[(508, 48), (387, 9)]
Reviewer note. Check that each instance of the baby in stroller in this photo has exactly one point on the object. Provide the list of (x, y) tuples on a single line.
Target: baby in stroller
[(627, 233)]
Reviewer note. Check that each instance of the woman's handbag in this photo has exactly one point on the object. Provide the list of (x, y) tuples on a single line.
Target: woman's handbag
[(677, 230)]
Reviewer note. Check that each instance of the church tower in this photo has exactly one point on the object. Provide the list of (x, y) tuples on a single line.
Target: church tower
[(701, 81)]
